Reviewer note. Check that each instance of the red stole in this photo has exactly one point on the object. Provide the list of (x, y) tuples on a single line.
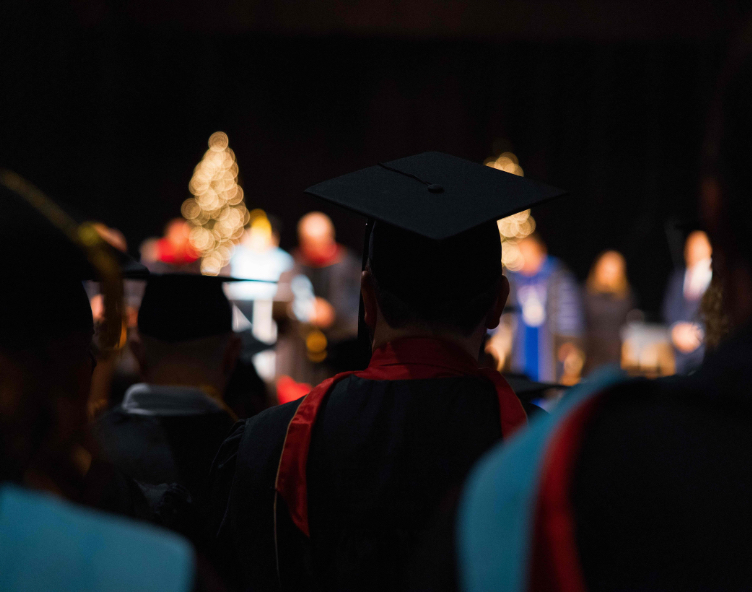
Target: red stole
[(405, 359)]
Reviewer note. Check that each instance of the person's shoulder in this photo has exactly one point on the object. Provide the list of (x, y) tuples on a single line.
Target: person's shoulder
[(261, 430), (48, 543)]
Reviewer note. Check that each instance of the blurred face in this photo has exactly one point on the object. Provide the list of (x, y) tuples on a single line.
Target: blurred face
[(533, 255), (316, 233), (610, 270), (177, 233), (697, 248), (259, 237)]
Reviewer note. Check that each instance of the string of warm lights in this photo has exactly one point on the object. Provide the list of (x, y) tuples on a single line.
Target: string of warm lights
[(516, 227), (216, 212)]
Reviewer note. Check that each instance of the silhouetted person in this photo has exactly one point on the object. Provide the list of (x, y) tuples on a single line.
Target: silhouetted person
[(169, 427), (333, 491)]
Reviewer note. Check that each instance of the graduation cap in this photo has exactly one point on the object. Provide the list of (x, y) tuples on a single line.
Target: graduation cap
[(432, 222), (434, 195), (45, 257), (185, 306)]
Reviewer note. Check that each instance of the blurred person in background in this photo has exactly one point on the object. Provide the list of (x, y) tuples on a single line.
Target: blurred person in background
[(547, 320), (608, 300), (323, 317), (681, 305), (258, 256), (173, 252)]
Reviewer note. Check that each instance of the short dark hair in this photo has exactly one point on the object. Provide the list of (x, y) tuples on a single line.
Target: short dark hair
[(450, 283), (455, 314)]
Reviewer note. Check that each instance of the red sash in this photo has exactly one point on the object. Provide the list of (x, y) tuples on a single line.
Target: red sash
[(405, 359), (555, 562)]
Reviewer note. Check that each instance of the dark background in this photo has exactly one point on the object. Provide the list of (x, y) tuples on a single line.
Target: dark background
[(108, 105)]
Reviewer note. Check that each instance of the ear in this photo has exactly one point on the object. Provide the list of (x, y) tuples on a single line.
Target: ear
[(370, 306), (494, 315), (137, 347), (232, 351)]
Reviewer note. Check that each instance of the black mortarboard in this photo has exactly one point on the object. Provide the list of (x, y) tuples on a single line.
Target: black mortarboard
[(185, 306), (435, 221), (434, 195)]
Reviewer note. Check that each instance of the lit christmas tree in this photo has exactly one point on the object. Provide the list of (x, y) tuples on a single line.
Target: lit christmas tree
[(216, 212)]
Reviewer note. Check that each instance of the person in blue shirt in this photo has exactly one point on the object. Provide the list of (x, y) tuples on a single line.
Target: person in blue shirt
[(547, 318)]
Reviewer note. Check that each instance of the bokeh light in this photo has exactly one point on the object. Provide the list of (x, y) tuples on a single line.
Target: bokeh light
[(507, 162), (216, 212), (517, 226)]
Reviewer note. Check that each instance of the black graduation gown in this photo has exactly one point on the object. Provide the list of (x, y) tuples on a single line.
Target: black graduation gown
[(383, 455)]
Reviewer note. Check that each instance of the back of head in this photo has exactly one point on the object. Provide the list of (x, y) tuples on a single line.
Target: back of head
[(448, 284)]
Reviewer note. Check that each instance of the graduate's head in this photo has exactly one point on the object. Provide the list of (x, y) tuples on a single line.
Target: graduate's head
[(452, 285), (185, 331), (435, 250)]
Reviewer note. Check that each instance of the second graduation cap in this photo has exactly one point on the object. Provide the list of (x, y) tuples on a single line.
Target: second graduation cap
[(186, 306)]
